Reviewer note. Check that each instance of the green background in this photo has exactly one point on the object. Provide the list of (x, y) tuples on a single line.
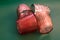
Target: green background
[(8, 17)]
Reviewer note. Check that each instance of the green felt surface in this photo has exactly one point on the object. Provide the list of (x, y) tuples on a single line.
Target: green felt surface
[(8, 17)]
